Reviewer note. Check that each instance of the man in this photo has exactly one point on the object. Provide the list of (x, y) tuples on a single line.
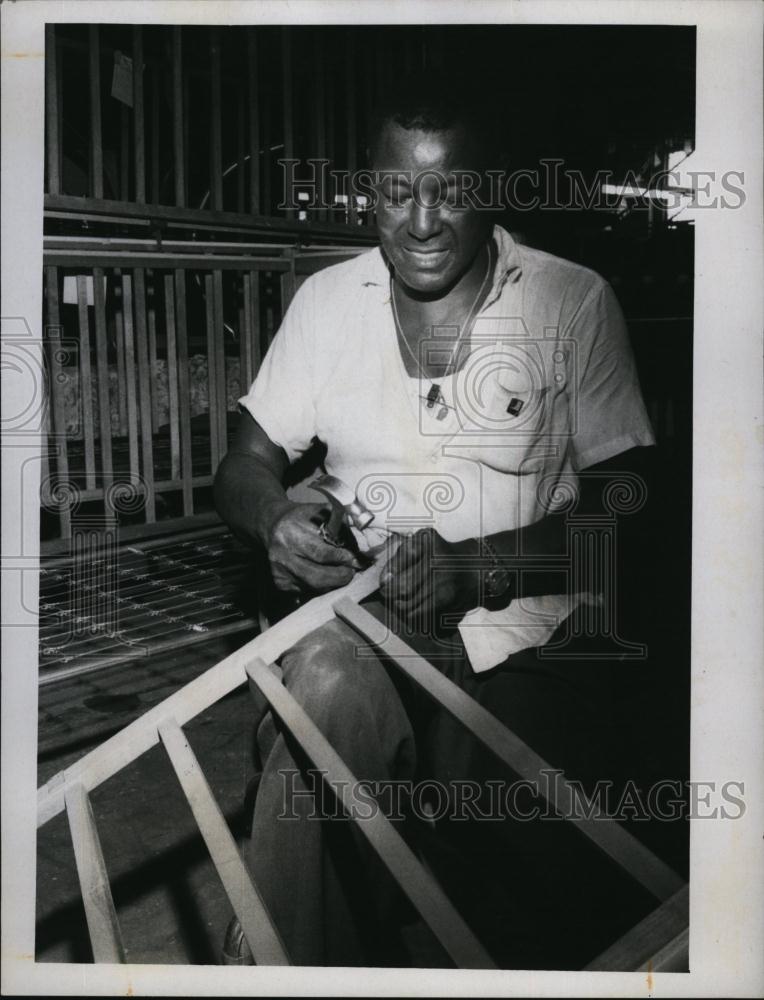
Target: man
[(460, 382)]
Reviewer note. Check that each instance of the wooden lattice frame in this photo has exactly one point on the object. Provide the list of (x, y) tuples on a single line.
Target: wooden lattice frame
[(659, 942)]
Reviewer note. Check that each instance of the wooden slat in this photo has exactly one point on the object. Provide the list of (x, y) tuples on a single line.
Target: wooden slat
[(172, 376), (647, 939), (250, 332), (145, 376), (256, 923), (160, 486), (101, 916), (672, 957), (350, 117), (253, 93), (131, 395), (241, 163), (288, 96), (125, 746), (52, 120), (207, 219), (124, 152), (86, 382), (153, 367), (139, 138), (184, 392), (45, 453), (102, 367), (380, 66), (319, 117), (242, 330), (212, 378), (368, 85), (288, 284), (156, 135), (179, 162), (101, 258), (96, 148), (216, 124), (56, 389), (420, 887), (331, 132), (220, 367), (62, 133), (613, 839), (119, 337), (266, 205), (55, 550)]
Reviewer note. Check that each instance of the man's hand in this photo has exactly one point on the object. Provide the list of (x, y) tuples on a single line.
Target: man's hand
[(419, 586), (300, 559)]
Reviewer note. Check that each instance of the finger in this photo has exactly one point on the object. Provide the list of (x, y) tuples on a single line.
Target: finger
[(323, 577), (325, 554), (284, 580), (408, 553), (412, 583)]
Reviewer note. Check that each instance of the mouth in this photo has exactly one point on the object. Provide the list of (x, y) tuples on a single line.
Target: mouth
[(425, 259)]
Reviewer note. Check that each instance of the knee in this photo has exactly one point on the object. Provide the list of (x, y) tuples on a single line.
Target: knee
[(329, 678)]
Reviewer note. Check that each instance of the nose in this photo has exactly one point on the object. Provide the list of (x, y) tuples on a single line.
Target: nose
[(424, 222)]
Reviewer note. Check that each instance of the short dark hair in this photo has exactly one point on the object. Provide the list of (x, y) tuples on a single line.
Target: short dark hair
[(436, 101)]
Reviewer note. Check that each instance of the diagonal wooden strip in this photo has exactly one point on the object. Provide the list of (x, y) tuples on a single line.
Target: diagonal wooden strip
[(259, 930), (103, 926), (648, 939), (420, 887), (672, 957), (656, 876), (128, 744)]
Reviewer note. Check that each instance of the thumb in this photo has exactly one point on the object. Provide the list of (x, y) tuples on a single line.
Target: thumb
[(412, 547)]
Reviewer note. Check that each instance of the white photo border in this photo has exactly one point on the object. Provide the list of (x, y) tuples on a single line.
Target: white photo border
[(727, 858)]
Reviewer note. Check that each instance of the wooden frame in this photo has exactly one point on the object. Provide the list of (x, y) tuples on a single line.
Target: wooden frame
[(661, 939), (140, 326)]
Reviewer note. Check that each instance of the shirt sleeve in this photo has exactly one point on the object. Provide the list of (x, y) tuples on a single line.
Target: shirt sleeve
[(609, 412), (281, 399)]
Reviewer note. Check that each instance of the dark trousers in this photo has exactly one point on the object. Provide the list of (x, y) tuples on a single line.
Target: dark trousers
[(332, 900)]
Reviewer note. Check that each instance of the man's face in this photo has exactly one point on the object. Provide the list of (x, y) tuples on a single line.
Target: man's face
[(429, 236)]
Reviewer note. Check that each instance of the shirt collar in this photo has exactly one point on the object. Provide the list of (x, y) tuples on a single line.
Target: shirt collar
[(508, 264)]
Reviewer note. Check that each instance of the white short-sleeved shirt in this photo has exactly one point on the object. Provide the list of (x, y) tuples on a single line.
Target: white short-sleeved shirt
[(549, 388)]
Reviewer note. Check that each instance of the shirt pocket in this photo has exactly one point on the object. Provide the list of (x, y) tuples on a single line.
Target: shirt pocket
[(520, 426)]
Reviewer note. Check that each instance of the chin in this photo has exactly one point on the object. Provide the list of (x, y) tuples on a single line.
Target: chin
[(425, 281)]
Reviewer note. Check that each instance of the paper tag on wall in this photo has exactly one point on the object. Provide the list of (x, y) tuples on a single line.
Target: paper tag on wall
[(122, 79)]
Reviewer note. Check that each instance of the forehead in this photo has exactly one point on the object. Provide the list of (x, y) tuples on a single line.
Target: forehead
[(417, 149)]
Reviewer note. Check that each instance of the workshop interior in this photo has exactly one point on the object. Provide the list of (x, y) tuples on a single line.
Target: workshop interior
[(169, 259)]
